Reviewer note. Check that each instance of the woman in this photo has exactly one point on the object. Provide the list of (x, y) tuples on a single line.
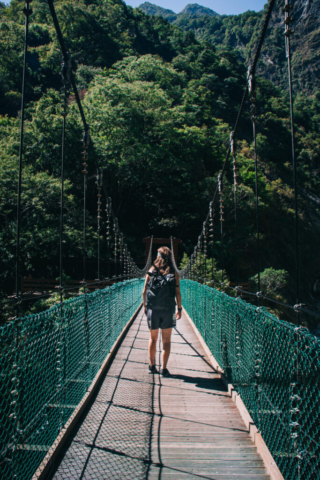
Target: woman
[(161, 279)]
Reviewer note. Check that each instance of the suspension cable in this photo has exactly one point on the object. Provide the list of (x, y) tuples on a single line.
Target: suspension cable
[(65, 74), (252, 91), (235, 184), (27, 12), (139, 273), (245, 94), (86, 141), (221, 212), (99, 185), (288, 32), (66, 58)]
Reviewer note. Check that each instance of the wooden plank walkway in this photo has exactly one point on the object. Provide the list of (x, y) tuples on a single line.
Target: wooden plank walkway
[(143, 426)]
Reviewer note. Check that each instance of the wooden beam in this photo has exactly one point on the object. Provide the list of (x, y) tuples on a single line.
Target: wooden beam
[(162, 241)]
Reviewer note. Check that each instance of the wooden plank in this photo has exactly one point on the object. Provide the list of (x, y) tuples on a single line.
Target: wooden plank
[(188, 419), (48, 461), (256, 436)]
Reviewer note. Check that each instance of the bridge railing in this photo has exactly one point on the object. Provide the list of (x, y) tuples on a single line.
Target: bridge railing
[(48, 361), (273, 365)]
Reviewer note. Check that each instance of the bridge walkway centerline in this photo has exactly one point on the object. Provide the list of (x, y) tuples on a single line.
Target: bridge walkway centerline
[(143, 426)]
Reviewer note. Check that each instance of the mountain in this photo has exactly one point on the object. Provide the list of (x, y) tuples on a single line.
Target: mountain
[(194, 10), (198, 11), (241, 32), (161, 105), (151, 9)]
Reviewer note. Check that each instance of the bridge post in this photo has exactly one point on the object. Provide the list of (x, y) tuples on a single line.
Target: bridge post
[(163, 241)]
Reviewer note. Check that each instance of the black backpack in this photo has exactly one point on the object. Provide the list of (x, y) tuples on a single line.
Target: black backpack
[(161, 291)]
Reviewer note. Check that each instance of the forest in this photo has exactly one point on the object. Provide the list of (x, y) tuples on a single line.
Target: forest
[(161, 101), (241, 32)]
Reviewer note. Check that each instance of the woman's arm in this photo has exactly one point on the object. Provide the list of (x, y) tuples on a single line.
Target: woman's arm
[(178, 295), (144, 293)]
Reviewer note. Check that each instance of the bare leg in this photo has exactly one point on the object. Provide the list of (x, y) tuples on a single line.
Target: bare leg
[(153, 345), (166, 346)]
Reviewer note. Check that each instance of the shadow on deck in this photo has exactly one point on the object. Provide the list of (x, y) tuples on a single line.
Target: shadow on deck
[(142, 426)]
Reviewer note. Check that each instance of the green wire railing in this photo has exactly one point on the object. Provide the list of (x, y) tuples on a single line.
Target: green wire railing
[(273, 365), (48, 361)]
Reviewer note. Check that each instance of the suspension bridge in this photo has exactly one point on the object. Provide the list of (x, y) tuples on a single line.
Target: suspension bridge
[(77, 401)]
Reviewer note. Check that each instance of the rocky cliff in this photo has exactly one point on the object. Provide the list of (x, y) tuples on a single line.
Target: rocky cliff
[(242, 32)]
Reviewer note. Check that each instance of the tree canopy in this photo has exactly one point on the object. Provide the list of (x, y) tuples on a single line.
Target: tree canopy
[(161, 106)]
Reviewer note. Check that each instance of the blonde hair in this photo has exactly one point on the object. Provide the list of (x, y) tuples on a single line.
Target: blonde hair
[(163, 262)]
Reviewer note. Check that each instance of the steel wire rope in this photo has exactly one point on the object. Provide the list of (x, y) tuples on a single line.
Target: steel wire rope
[(65, 74), (252, 91), (86, 127), (220, 189), (85, 124), (297, 307), (66, 57), (235, 184), (244, 97), (288, 32), (27, 12), (99, 185), (269, 299)]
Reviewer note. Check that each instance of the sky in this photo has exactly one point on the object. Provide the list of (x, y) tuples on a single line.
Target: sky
[(227, 7)]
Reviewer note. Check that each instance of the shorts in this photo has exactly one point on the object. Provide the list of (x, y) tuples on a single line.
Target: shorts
[(160, 319)]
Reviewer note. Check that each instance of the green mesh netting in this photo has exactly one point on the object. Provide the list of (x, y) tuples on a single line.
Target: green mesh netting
[(48, 361), (273, 365)]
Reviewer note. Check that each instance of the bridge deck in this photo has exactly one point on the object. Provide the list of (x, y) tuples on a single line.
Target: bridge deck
[(143, 426)]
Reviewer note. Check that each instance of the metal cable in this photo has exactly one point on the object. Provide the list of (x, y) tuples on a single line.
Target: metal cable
[(220, 188), (65, 74), (244, 97), (86, 140), (252, 91), (27, 12), (258, 353), (288, 33), (99, 184), (235, 184), (66, 58)]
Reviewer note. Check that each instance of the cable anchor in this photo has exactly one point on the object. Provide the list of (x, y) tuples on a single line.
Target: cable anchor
[(66, 68), (251, 81), (86, 136), (298, 306), (27, 10)]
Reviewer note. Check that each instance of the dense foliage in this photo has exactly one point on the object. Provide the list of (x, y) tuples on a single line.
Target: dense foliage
[(161, 106), (240, 32)]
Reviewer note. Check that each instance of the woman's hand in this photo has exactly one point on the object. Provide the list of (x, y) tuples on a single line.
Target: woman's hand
[(178, 315)]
